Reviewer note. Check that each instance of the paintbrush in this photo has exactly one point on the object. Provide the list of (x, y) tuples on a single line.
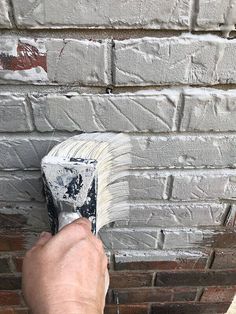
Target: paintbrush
[(86, 176)]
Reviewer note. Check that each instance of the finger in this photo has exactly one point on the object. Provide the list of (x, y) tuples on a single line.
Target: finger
[(71, 234), (107, 281), (43, 238)]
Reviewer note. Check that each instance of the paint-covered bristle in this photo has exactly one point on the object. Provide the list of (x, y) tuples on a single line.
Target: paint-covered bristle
[(111, 155)]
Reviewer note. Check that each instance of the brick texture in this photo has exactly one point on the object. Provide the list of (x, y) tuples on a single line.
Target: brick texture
[(165, 73)]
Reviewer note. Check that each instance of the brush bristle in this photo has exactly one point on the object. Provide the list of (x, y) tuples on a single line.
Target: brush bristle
[(112, 153)]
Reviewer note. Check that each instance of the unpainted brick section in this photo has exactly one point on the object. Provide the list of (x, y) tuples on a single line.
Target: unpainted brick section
[(16, 241), (127, 309), (10, 282), (126, 279), (174, 215), (4, 15), (141, 295), (204, 186), (224, 258), (9, 298), (221, 294), (91, 113), (196, 278), (188, 59), (42, 61), (190, 307), (153, 14), (161, 259), (14, 113)]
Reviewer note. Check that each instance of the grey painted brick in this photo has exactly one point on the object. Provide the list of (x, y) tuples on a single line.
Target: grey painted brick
[(120, 239), (174, 215), (216, 15), (14, 113), (89, 113), (61, 61), (159, 255), (187, 59), (4, 15), (204, 186), (194, 238), (209, 110), (154, 14), (78, 61), (30, 216), (21, 187), (146, 185), (24, 153), (184, 151)]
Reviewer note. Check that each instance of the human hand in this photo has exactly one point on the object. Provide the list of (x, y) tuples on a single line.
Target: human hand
[(66, 273)]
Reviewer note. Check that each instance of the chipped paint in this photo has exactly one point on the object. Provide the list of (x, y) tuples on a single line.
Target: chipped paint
[(23, 59)]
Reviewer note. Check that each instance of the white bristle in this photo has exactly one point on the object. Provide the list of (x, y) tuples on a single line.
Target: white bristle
[(112, 153)]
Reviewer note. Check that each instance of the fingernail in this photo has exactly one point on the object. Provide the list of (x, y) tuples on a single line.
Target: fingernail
[(43, 234)]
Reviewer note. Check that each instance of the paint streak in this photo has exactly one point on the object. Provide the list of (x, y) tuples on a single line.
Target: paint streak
[(74, 186), (28, 57)]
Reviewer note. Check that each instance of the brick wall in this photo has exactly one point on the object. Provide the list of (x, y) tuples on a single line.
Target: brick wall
[(163, 71)]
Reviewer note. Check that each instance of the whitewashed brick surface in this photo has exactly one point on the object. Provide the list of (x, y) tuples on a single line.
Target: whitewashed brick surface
[(62, 61), (154, 14), (216, 15), (188, 59), (209, 110), (4, 14), (14, 113), (90, 113), (24, 153), (174, 215), (204, 186), (21, 187)]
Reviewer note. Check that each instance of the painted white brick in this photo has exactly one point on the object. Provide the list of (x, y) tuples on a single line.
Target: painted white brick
[(180, 151), (14, 113), (209, 110), (4, 15), (78, 61), (21, 187), (159, 255), (154, 14), (194, 238), (216, 15), (147, 185), (62, 61), (89, 113), (204, 186), (174, 215), (120, 239), (24, 153), (188, 59)]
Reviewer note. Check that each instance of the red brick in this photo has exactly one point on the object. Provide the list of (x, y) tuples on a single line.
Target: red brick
[(11, 242), (221, 294), (4, 265), (190, 308), (18, 261), (141, 295), (224, 258), (164, 265), (196, 278), (11, 310), (120, 279), (9, 298), (10, 282), (127, 309)]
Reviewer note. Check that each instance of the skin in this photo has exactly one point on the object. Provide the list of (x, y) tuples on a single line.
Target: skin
[(66, 273)]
